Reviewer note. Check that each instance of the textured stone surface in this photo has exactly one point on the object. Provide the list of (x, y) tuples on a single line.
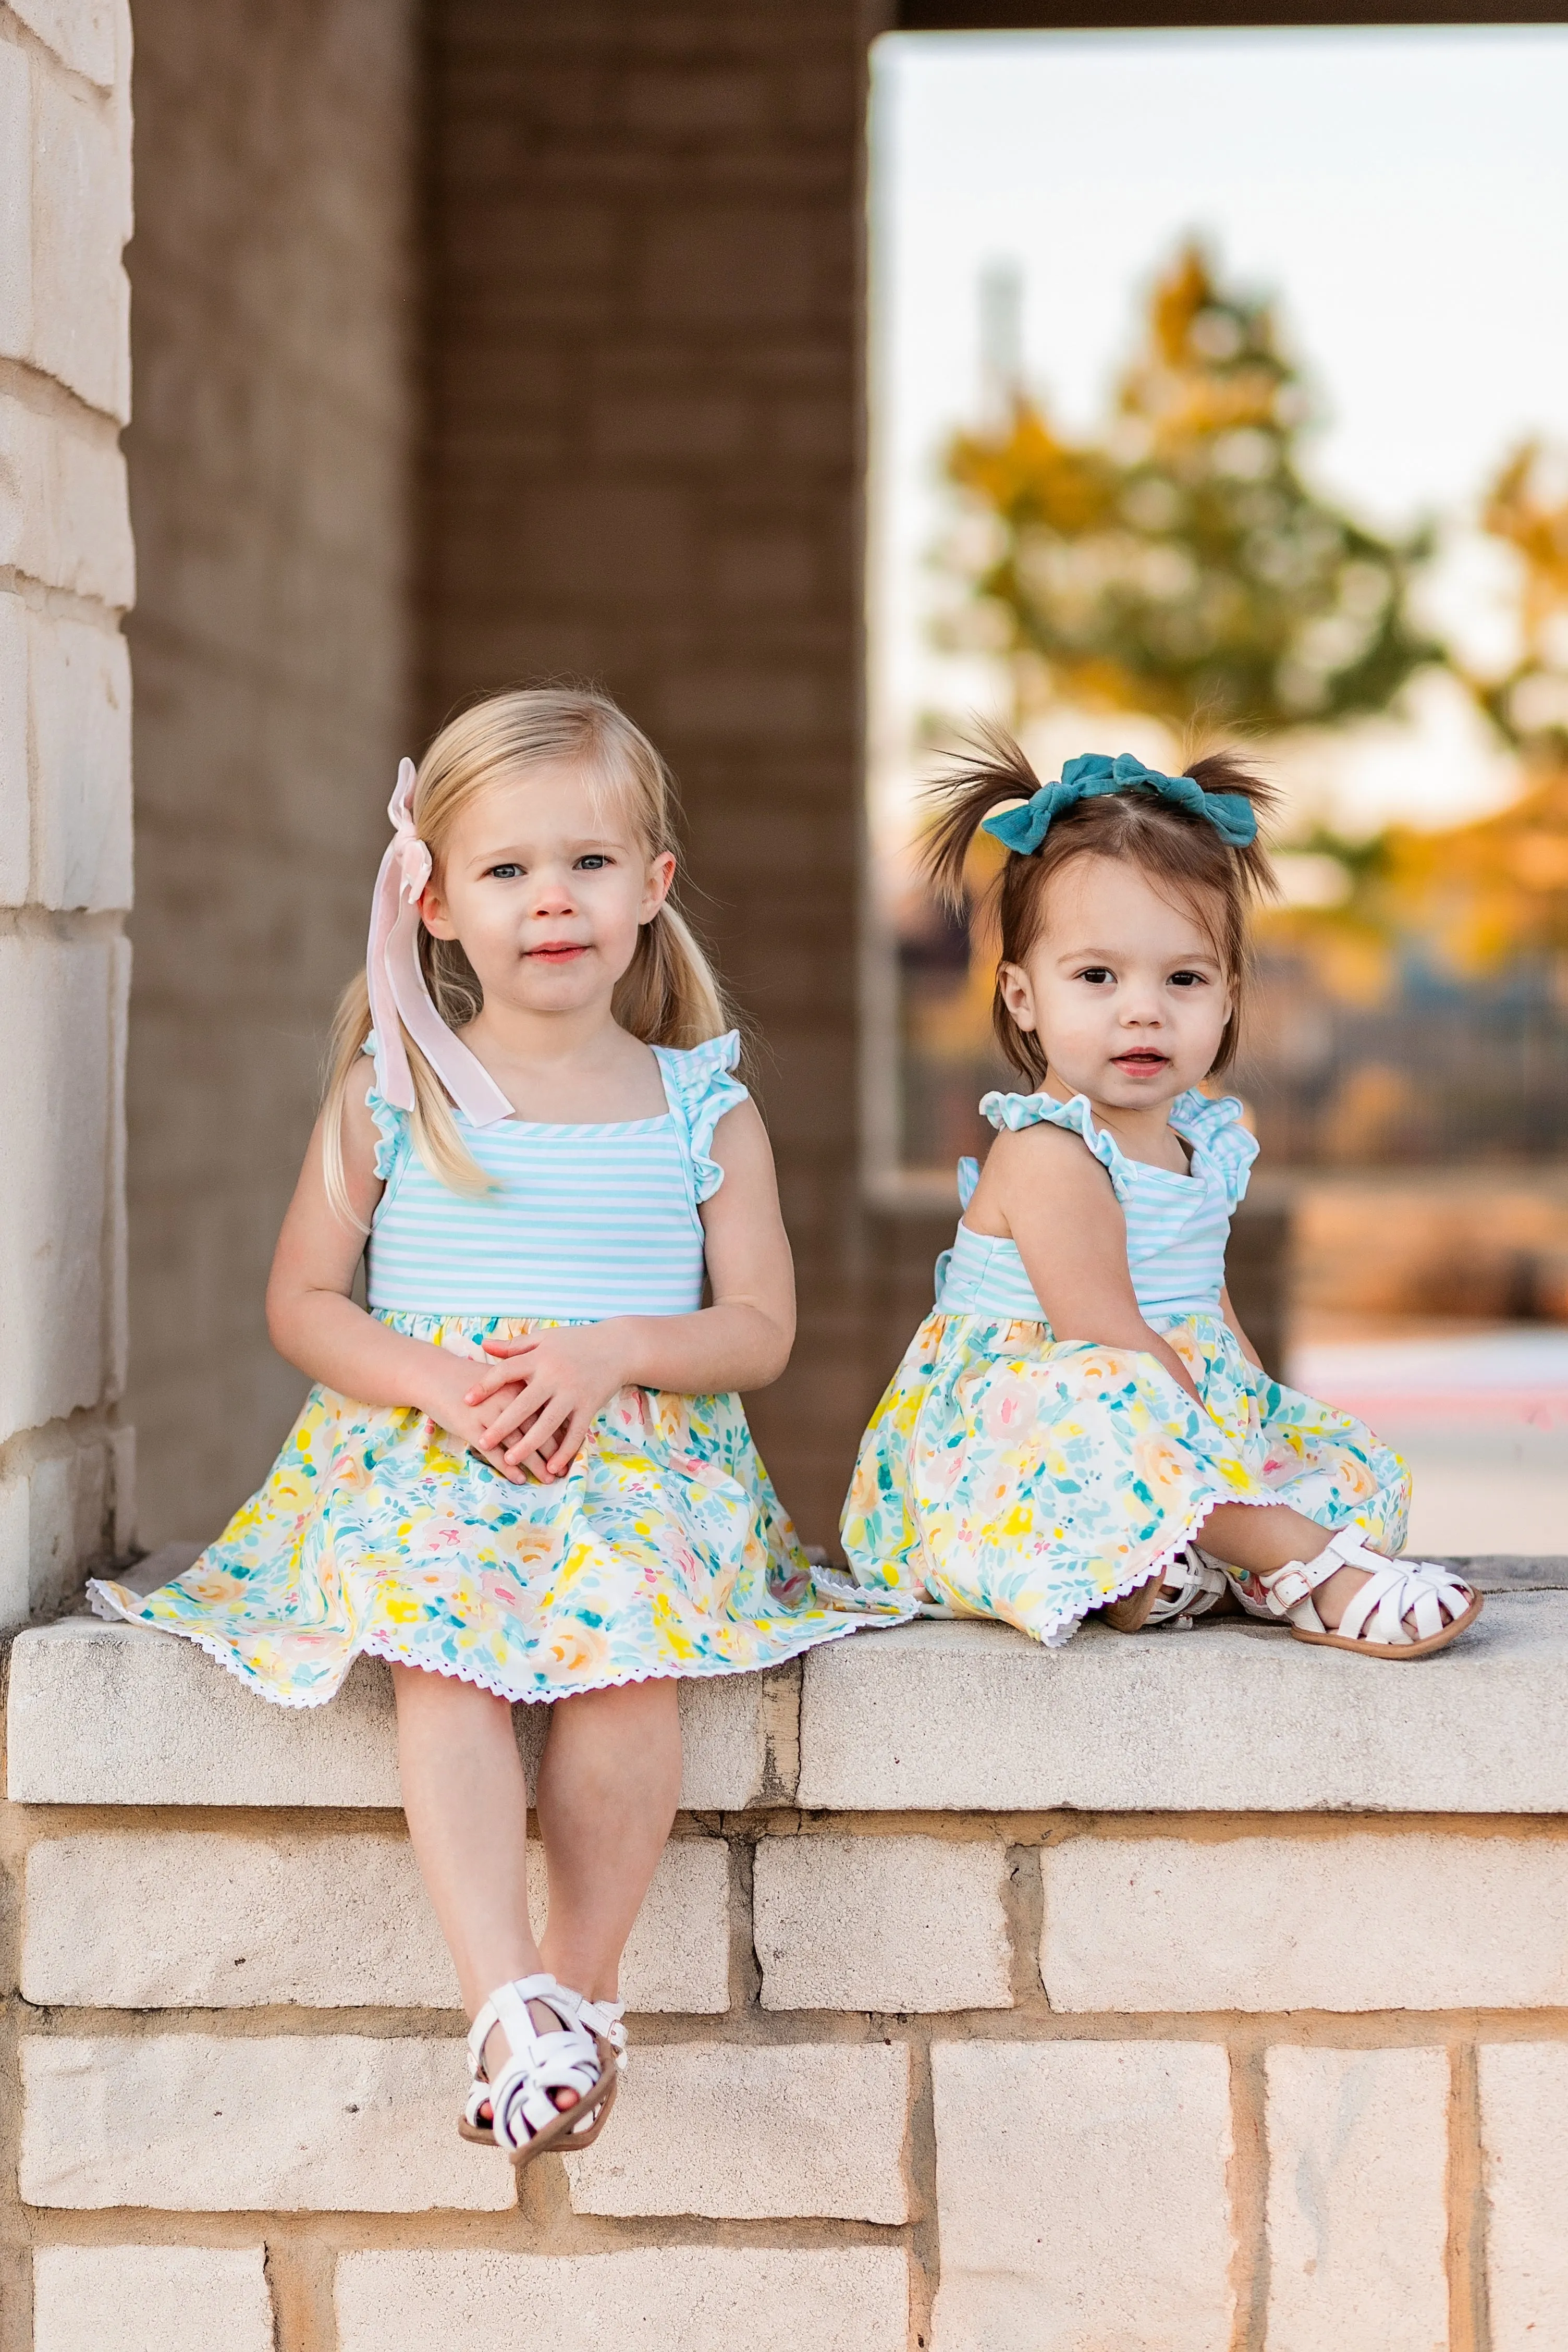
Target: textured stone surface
[(195, 2123), (1524, 2141), (1056, 2162), (897, 1924), (64, 519), (16, 787), (150, 2299), (81, 33), (80, 695), (111, 1713), (1177, 1722), (754, 2134), (55, 1115), (1358, 2157), (15, 201), (81, 218), (331, 1921), (1363, 1921), (770, 2299)]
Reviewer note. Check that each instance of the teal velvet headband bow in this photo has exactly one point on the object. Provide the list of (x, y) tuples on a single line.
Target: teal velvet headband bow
[(1092, 773)]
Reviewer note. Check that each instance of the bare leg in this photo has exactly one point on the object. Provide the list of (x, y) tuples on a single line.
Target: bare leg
[(466, 1802), (1262, 1537), (608, 1788)]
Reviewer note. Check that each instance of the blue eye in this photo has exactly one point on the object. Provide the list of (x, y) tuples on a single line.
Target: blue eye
[(593, 861), (503, 873)]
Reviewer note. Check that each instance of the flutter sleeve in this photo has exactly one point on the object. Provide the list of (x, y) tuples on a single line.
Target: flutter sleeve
[(1216, 1130), (701, 1086), (1016, 1112), (392, 1126)]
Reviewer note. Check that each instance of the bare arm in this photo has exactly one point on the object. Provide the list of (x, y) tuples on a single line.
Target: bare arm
[(742, 1340), (1045, 1188), (316, 1325)]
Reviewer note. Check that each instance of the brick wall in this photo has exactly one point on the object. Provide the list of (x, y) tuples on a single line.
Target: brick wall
[(643, 465), (984, 1997), (65, 578), (273, 336)]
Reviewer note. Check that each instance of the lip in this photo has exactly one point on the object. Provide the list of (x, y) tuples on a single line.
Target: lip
[(556, 951), (1141, 1064)]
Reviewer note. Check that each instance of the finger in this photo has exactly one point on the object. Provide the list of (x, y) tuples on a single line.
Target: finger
[(571, 1445), (514, 1415), (499, 1347), (535, 1444), (489, 1377)]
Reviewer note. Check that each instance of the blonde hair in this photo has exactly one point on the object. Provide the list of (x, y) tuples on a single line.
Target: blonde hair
[(668, 995)]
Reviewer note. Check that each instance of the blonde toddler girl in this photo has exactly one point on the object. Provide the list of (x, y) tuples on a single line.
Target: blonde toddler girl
[(524, 1472)]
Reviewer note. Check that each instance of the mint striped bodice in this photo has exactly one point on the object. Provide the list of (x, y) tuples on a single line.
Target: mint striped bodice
[(1177, 1226), (584, 1222)]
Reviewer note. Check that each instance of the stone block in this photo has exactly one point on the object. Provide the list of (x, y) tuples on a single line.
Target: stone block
[(15, 1527), (104, 1713), (1358, 2159), (79, 695), (81, 220), (1524, 2145), (743, 2133), (54, 1093), (1177, 1722), (64, 517), (338, 1920), (1060, 2167), (150, 2299), (201, 2124), (80, 32), (1353, 1922), (15, 202), (894, 1924), (15, 817), (768, 2298), (67, 1519)]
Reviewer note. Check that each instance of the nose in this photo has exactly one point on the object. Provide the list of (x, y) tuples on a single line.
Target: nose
[(553, 892)]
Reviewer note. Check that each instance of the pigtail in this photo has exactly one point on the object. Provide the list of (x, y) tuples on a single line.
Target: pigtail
[(669, 995), (988, 771)]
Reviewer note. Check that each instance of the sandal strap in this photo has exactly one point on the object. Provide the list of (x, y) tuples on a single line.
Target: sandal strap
[(1193, 1584), (1288, 1591), (1394, 1592), (537, 2064)]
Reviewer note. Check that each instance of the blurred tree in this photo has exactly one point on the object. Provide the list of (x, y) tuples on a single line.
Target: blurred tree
[(1177, 562)]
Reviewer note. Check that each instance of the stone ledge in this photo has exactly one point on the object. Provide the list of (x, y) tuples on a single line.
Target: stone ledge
[(939, 1716)]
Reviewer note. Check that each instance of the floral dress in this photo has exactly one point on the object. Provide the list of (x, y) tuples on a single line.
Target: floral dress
[(663, 1551), (1007, 1474)]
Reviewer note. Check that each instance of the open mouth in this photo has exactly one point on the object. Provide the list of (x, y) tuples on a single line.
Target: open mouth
[(1141, 1064)]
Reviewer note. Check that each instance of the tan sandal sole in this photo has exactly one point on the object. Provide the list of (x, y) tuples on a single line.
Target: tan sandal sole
[(596, 2103), (1131, 1614), (1396, 1650)]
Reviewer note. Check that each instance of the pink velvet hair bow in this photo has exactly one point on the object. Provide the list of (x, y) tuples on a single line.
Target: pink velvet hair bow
[(399, 999)]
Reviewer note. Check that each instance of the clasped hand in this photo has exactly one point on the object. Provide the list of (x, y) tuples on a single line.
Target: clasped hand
[(537, 1401)]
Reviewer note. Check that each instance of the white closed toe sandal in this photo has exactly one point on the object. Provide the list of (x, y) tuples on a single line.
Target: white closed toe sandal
[(1438, 1603), (586, 2056)]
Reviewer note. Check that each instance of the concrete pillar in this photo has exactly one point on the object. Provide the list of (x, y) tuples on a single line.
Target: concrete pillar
[(66, 581)]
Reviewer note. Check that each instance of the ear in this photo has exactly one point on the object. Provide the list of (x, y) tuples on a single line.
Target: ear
[(660, 876), (433, 912), (1012, 987)]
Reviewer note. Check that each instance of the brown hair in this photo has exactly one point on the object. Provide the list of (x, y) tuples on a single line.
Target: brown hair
[(1186, 856), (668, 995)]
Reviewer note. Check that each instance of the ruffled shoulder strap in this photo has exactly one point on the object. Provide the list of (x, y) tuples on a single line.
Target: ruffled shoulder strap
[(1017, 1111), (393, 1127), (1215, 1129), (698, 1081)]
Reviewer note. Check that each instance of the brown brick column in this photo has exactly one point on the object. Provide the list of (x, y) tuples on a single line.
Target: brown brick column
[(644, 467)]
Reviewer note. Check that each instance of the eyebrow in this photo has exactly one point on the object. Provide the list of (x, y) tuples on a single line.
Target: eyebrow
[(1114, 955), (510, 853)]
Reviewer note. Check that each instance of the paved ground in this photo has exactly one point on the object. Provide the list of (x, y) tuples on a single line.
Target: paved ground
[(1480, 1414)]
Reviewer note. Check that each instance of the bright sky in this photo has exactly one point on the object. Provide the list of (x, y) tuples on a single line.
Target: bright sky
[(1404, 193)]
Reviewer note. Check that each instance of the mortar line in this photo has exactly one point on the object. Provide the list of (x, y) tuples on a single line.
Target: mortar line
[(1247, 2186), (920, 2159), (1469, 2318)]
